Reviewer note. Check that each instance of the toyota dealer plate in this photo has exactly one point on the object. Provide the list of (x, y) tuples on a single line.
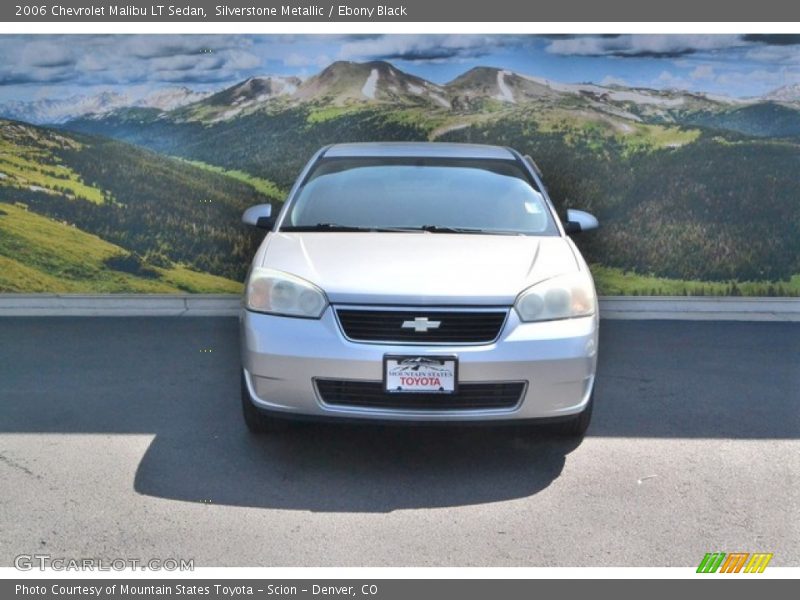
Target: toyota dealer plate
[(430, 374)]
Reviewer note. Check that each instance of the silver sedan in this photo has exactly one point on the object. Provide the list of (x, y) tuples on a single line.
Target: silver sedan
[(419, 282)]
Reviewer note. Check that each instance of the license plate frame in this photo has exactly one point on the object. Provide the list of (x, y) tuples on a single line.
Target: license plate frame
[(431, 365)]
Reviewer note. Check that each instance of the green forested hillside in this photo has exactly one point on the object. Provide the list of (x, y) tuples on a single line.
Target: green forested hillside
[(712, 210), (269, 145), (161, 216), (768, 119), (677, 203), (38, 254)]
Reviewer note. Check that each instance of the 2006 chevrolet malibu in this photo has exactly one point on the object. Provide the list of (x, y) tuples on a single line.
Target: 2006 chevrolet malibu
[(419, 282)]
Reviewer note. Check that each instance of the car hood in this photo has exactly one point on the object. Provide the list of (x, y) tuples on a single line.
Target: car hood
[(418, 268)]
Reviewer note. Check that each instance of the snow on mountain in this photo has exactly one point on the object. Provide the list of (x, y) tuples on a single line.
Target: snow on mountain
[(345, 82), (505, 92), (640, 97), (371, 84), (254, 90), (615, 93), (61, 110), (787, 93), (245, 96), (482, 83), (171, 98)]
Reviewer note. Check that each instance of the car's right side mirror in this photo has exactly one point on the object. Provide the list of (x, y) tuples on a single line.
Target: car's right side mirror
[(578, 221), (259, 216)]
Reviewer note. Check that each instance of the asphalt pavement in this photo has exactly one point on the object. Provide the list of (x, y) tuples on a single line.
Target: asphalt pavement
[(122, 438)]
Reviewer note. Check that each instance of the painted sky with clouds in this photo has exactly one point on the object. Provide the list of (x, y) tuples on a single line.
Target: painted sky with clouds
[(42, 66)]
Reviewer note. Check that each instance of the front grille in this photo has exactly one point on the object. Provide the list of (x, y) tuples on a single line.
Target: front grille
[(371, 394), (455, 326)]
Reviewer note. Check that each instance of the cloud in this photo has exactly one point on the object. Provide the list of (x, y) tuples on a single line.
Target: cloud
[(160, 46), (665, 77), (208, 62), (718, 63), (705, 79), (424, 47), (702, 72), (239, 60), (766, 78), (782, 54), (295, 59), (672, 81), (654, 46), (86, 60), (45, 55), (11, 77), (775, 39)]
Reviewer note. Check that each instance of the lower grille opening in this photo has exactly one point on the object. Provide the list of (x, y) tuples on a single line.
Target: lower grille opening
[(371, 394)]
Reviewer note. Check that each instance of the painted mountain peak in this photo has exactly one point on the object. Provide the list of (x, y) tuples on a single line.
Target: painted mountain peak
[(348, 83)]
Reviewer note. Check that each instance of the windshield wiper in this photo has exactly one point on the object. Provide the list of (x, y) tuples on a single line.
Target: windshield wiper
[(447, 229), (324, 227), (335, 227), (345, 228)]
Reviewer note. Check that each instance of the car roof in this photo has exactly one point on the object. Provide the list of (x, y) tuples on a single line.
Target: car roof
[(418, 149)]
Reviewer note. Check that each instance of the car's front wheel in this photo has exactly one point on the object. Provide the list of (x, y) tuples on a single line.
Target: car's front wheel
[(257, 421)]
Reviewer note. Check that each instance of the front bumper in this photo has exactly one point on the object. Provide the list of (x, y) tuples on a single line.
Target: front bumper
[(283, 356)]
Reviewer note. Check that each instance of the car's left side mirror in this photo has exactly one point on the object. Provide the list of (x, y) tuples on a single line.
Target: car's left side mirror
[(259, 216), (578, 220)]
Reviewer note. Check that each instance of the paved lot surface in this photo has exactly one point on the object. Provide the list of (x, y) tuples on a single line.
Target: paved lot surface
[(122, 438)]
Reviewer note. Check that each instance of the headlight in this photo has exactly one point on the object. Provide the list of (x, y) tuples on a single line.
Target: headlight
[(279, 293), (562, 297)]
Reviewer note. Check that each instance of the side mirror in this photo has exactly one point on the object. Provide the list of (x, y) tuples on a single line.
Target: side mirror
[(260, 216), (578, 220)]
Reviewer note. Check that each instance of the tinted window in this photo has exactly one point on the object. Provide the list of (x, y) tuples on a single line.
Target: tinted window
[(491, 195)]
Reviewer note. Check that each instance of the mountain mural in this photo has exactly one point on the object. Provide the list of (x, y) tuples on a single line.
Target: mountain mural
[(80, 213), (60, 110), (696, 193), (346, 83)]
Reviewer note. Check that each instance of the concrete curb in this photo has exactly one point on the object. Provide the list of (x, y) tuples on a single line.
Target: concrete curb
[(700, 308), (227, 305), (119, 305)]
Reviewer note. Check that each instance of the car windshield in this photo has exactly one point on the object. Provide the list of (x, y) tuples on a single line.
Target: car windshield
[(435, 195)]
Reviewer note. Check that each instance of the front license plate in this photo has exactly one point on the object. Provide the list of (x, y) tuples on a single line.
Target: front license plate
[(431, 374)]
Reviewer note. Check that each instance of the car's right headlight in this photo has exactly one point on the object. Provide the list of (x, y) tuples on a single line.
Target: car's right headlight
[(278, 293), (562, 297)]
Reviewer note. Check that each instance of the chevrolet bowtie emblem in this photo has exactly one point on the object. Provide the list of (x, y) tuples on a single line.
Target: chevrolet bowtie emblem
[(421, 324)]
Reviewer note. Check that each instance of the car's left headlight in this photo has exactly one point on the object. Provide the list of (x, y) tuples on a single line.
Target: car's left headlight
[(562, 297), (279, 293)]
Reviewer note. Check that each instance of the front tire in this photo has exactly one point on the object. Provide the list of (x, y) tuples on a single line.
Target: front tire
[(258, 422)]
